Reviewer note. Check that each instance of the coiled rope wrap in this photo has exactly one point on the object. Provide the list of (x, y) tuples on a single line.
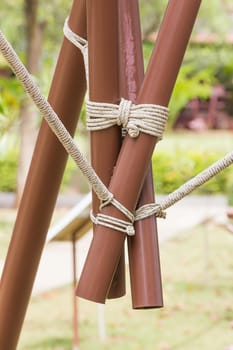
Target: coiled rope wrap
[(133, 119), (147, 118), (105, 196), (114, 223)]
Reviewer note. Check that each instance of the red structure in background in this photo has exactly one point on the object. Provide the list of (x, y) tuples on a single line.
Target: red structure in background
[(214, 113)]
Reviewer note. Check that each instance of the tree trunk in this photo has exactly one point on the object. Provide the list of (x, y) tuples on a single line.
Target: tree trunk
[(28, 112)]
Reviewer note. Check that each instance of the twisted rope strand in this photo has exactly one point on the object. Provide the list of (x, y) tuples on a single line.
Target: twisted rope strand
[(105, 196), (147, 118), (103, 115), (52, 119), (185, 189)]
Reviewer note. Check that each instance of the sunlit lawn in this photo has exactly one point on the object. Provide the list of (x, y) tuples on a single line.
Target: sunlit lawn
[(198, 312)]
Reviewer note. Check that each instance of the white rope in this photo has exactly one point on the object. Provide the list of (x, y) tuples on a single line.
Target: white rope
[(119, 206), (114, 223), (105, 196), (148, 210), (148, 118), (185, 189), (52, 119), (80, 43), (74, 38)]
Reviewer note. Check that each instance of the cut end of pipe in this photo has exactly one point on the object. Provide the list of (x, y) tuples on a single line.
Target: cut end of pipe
[(147, 300), (91, 295), (146, 307)]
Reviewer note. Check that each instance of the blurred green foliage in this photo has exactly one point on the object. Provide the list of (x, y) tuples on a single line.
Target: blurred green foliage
[(181, 156), (191, 83), (173, 169), (8, 166), (11, 94), (177, 159), (213, 17), (203, 66)]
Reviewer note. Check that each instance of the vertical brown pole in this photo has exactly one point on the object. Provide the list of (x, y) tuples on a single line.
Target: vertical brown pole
[(144, 262), (103, 79), (75, 302), (42, 185), (135, 154)]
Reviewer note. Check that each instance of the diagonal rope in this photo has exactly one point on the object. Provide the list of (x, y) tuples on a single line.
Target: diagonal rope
[(30, 86), (52, 119), (186, 188), (148, 118), (105, 196)]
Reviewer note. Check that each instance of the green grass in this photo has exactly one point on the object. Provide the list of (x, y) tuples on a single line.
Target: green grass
[(196, 315), (221, 141), (198, 312)]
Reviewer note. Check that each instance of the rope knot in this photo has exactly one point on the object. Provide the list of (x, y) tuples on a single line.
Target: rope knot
[(147, 118), (133, 129), (148, 210), (125, 118), (124, 112)]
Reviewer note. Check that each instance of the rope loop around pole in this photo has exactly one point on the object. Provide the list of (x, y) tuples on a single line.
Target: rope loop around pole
[(74, 38), (148, 210), (105, 196), (114, 223), (148, 118), (80, 43), (124, 112)]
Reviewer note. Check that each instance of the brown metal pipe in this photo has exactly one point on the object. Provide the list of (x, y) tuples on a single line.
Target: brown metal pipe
[(131, 56), (143, 249), (41, 189), (134, 158), (102, 32), (144, 259)]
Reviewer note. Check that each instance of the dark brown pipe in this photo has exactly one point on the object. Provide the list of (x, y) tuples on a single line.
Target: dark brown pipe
[(144, 262), (134, 158), (104, 87), (41, 189)]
